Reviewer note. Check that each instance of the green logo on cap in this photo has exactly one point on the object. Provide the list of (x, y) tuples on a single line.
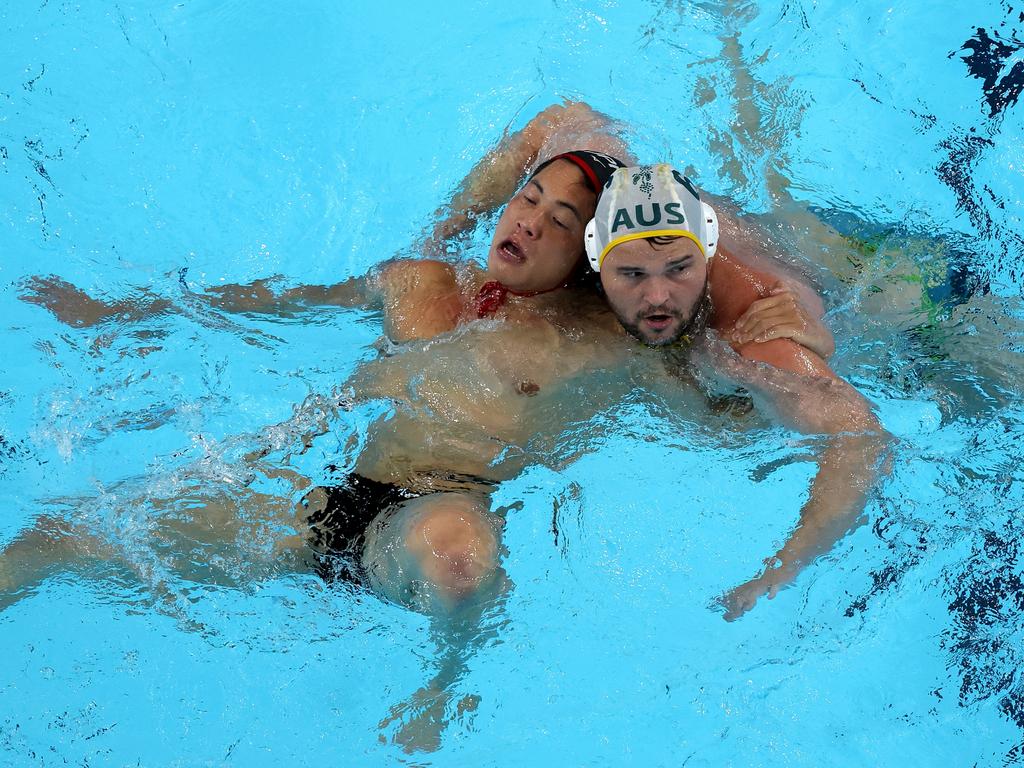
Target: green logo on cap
[(643, 179), (672, 216)]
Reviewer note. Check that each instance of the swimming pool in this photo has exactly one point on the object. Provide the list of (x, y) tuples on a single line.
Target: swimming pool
[(175, 146)]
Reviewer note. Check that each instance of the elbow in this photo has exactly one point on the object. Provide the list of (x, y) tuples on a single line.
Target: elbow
[(847, 412), (576, 115), (863, 435)]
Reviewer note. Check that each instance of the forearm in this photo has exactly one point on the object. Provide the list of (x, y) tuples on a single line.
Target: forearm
[(74, 307), (854, 445), (847, 470), (259, 296), (854, 453), (496, 178)]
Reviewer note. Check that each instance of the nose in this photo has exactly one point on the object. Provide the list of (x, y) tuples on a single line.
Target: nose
[(530, 223), (656, 291)]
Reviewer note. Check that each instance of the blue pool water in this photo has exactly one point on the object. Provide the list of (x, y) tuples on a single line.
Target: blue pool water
[(168, 147)]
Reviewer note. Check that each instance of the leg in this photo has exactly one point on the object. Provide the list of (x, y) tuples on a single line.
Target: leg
[(439, 554), (435, 553), (50, 546), (222, 535)]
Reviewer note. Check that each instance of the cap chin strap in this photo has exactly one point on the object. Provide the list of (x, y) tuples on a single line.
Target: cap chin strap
[(493, 294)]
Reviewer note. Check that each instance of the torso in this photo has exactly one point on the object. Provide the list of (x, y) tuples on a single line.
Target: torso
[(470, 394), (476, 397)]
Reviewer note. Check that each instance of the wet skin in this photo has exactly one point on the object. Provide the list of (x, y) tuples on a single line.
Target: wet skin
[(472, 392), (538, 240), (655, 287)]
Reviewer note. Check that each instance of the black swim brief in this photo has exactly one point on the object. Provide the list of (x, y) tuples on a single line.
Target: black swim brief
[(338, 524)]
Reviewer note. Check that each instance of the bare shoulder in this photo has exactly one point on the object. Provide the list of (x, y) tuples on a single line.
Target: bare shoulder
[(421, 298), (404, 275), (734, 287), (747, 248)]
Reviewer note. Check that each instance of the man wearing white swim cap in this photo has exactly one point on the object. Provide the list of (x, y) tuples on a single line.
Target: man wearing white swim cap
[(666, 278), (656, 245), (657, 238)]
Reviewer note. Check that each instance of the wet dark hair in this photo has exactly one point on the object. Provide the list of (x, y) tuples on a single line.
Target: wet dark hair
[(597, 167), (583, 276)]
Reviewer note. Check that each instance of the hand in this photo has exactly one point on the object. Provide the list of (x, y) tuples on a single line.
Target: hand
[(741, 599), (69, 304), (421, 719), (780, 315)]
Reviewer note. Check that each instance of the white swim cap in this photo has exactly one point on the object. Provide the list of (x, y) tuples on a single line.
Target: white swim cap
[(649, 201)]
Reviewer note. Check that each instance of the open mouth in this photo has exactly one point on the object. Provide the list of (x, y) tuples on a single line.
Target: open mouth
[(510, 252), (658, 321)]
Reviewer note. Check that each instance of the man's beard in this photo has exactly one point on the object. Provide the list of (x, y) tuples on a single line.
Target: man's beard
[(693, 325)]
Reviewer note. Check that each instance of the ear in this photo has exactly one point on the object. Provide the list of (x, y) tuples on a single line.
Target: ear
[(710, 229), (590, 244)]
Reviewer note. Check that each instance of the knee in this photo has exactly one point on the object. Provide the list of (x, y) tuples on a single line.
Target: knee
[(454, 542)]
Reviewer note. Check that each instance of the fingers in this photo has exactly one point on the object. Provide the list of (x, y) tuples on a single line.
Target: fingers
[(781, 314), (741, 599), (782, 302), (772, 327), (776, 316), (769, 317)]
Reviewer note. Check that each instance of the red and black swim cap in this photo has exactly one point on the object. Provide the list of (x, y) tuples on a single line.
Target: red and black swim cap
[(597, 167)]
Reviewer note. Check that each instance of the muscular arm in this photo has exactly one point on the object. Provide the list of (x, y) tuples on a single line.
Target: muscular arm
[(76, 308), (760, 305), (807, 396), (259, 296), (496, 178), (420, 297), (489, 185)]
